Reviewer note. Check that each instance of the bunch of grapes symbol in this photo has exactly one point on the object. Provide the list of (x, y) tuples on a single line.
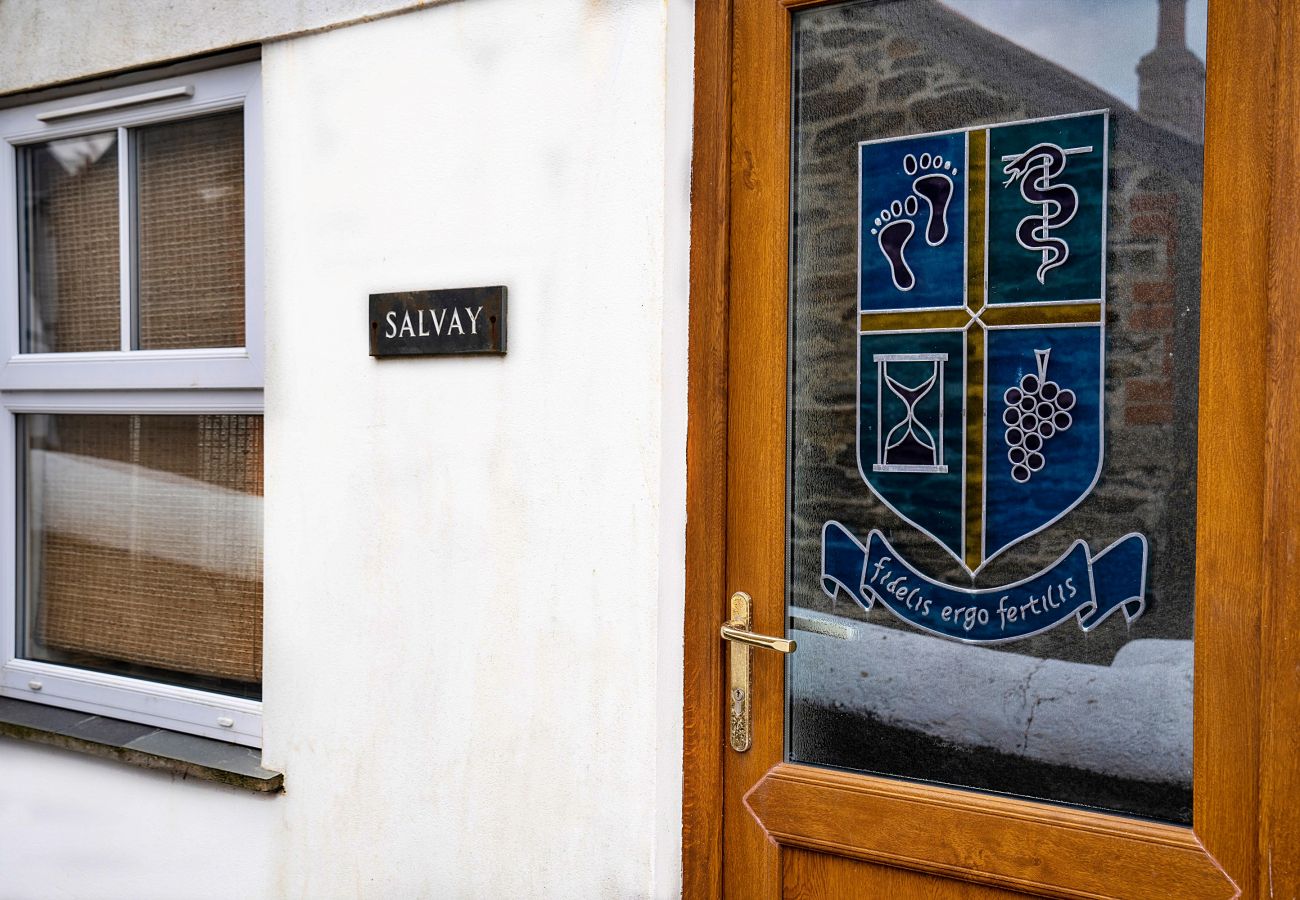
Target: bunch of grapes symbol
[(1037, 410)]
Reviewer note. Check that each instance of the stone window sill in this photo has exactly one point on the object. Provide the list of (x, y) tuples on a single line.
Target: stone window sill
[(138, 745)]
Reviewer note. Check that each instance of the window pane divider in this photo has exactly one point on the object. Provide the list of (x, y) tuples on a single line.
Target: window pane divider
[(135, 402), (125, 233), (121, 380)]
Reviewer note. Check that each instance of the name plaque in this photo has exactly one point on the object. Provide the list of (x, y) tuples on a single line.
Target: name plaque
[(452, 322)]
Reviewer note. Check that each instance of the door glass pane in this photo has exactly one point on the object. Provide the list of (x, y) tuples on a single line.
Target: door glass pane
[(68, 221), (189, 179), (142, 546), (993, 394)]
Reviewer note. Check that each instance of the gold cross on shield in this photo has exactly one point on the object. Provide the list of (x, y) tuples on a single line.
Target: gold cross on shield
[(975, 318)]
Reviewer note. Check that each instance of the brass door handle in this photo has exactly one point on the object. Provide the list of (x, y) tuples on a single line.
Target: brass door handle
[(742, 640), (732, 631)]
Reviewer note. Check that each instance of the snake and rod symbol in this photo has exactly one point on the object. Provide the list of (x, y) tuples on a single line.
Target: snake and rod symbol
[(1036, 169)]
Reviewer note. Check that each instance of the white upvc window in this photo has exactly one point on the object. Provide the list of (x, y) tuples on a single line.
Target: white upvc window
[(131, 403)]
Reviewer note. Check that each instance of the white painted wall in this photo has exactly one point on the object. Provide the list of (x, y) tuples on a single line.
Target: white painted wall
[(44, 42), (73, 827), (473, 567)]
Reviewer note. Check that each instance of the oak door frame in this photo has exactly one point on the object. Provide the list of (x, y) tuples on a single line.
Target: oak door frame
[(1246, 807)]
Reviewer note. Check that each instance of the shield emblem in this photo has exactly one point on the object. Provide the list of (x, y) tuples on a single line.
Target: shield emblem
[(981, 294)]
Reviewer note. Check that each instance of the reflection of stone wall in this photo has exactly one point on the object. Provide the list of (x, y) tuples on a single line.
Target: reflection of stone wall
[(880, 70)]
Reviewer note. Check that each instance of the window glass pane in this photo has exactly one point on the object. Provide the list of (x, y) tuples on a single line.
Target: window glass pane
[(994, 359), (143, 546), (68, 218), (189, 178)]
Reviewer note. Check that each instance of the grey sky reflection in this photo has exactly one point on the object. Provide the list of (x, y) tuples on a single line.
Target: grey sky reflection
[(1100, 40)]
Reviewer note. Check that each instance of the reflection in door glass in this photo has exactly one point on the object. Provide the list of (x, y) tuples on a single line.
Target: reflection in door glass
[(994, 329)]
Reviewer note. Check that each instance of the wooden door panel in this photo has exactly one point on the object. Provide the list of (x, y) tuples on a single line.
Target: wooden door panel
[(820, 876), (755, 827), (1046, 850)]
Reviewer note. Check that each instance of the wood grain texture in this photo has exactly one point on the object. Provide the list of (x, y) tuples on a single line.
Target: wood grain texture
[(816, 876), (1279, 762), (1246, 648), (756, 411), (1036, 848), (706, 459), (1239, 133)]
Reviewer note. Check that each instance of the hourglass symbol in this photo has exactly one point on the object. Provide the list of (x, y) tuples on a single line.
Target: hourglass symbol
[(910, 445)]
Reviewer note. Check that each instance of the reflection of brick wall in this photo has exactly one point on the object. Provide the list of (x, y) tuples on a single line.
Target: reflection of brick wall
[(1153, 221), (72, 253), (107, 605), (191, 242), (882, 70)]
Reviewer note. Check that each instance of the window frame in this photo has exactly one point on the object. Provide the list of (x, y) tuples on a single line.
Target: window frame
[(176, 382)]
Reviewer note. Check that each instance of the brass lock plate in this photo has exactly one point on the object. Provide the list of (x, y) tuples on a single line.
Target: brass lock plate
[(739, 720)]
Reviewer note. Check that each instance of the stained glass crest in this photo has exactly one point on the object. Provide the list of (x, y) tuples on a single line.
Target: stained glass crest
[(981, 370)]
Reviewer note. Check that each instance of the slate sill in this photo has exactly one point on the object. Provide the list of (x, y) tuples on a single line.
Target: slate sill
[(138, 745)]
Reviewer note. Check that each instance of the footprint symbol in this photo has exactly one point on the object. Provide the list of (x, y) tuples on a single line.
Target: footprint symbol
[(933, 185), (893, 231)]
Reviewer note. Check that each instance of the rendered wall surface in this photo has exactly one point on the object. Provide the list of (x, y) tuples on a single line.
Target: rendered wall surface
[(81, 828), (44, 42), (473, 566)]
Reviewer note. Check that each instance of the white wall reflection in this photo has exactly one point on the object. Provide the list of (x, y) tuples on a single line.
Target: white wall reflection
[(190, 522), (1094, 717)]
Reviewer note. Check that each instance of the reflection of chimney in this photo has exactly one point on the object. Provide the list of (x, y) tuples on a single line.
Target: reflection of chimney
[(1171, 79), (1172, 29)]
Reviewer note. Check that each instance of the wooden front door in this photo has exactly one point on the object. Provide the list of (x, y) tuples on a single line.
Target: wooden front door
[(917, 745)]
